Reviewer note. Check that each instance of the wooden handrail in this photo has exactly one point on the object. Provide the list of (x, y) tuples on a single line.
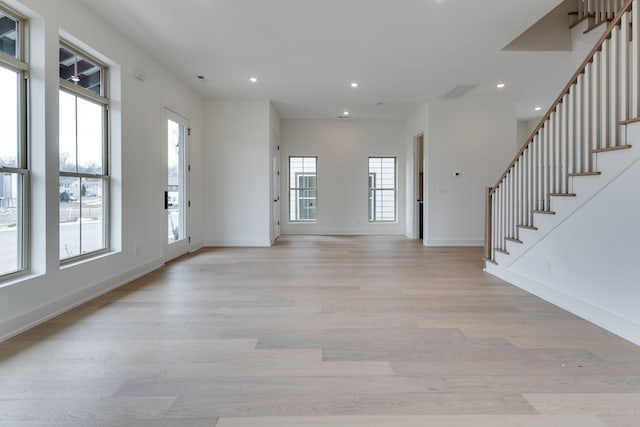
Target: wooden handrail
[(607, 34)]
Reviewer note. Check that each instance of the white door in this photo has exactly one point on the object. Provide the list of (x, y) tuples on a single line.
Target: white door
[(176, 185), (275, 192)]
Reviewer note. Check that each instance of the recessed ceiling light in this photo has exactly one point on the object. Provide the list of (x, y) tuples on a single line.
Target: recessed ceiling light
[(537, 108), (346, 113), (253, 79), (500, 85), (200, 77), (355, 85)]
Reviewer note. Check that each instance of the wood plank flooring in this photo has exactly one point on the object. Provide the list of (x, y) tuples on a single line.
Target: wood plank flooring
[(317, 332)]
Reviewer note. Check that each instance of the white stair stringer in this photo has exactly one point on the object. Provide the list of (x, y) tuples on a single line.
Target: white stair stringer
[(610, 163)]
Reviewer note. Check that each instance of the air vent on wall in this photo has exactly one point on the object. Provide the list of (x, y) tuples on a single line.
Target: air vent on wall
[(457, 91)]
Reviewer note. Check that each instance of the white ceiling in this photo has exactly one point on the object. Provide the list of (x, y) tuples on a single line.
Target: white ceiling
[(306, 52)]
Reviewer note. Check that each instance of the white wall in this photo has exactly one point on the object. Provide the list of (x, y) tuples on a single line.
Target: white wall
[(524, 129), (138, 138), (238, 193), (415, 125), (343, 148), (474, 138), (589, 263)]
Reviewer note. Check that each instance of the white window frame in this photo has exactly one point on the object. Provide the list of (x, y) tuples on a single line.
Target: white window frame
[(373, 198), (101, 99), (20, 66), (297, 217)]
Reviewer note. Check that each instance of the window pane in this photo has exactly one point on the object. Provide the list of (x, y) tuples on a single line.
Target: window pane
[(382, 189), (9, 118), (90, 136), (67, 132), (69, 217), (80, 71), (8, 35), (303, 189), (91, 215), (175, 182), (10, 223), (82, 152)]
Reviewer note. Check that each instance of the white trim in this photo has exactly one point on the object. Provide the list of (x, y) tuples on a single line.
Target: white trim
[(237, 242), (620, 326), (35, 317), (441, 243)]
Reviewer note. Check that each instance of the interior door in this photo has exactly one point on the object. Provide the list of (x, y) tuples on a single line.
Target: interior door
[(176, 185)]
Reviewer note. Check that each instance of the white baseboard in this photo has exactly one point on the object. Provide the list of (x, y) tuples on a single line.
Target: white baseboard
[(440, 243), (237, 242), (605, 319), (55, 308)]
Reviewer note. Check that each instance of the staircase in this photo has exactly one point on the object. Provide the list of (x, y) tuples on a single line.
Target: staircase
[(581, 148), (595, 12)]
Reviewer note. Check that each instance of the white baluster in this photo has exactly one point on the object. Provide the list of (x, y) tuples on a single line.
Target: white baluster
[(614, 89), (623, 94), (596, 100)]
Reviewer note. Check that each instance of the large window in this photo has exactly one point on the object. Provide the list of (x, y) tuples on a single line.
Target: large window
[(302, 189), (84, 169), (14, 173), (382, 189)]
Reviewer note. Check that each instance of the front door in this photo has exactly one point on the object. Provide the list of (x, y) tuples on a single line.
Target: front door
[(176, 199)]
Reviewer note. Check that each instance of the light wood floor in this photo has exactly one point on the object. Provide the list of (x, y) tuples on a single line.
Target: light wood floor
[(315, 332)]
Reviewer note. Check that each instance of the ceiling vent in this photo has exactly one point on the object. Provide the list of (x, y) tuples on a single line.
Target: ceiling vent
[(457, 91)]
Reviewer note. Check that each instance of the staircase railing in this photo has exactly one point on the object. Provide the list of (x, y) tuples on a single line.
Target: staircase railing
[(584, 120), (597, 11)]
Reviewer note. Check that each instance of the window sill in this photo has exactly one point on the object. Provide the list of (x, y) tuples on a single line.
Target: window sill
[(84, 259)]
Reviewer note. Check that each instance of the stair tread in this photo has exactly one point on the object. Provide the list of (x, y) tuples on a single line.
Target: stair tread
[(511, 239), (528, 227), (502, 251), (545, 212), (585, 174), (491, 261), (616, 148), (563, 194), (629, 121)]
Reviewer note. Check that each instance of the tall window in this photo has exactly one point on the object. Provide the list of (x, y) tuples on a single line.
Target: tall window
[(302, 189), (382, 189), (14, 173), (84, 171)]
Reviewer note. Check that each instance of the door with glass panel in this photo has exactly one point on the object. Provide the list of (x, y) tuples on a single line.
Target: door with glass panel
[(176, 179)]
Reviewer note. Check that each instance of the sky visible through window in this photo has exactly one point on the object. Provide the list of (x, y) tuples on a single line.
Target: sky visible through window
[(8, 117), (80, 135)]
